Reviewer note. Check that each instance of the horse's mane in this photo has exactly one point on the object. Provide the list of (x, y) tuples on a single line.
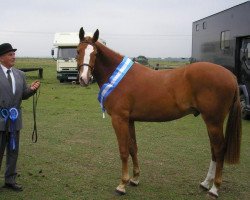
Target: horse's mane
[(106, 51)]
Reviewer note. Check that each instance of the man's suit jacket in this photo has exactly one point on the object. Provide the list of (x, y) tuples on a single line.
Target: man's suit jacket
[(9, 100)]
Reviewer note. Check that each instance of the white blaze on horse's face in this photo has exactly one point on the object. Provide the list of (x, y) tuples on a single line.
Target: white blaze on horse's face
[(86, 73)]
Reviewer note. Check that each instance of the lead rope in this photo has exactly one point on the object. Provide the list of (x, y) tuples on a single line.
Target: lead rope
[(35, 99)]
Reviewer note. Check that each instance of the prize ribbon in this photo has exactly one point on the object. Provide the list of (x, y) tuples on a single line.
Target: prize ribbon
[(13, 115), (5, 114)]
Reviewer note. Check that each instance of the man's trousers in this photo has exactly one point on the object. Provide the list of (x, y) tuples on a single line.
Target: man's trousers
[(11, 155)]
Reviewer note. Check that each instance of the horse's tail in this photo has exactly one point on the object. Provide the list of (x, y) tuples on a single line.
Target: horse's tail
[(233, 131)]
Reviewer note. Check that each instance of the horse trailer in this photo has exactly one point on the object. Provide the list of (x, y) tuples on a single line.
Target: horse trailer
[(224, 38)]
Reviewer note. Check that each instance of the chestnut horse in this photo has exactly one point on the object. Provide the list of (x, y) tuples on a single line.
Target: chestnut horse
[(148, 95)]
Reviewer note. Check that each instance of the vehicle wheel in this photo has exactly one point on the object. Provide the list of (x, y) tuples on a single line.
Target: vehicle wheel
[(243, 107), (61, 80)]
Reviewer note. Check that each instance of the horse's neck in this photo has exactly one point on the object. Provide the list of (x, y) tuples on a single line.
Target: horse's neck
[(106, 63)]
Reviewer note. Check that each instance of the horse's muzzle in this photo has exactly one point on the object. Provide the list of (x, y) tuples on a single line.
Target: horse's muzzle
[(83, 82), (85, 76)]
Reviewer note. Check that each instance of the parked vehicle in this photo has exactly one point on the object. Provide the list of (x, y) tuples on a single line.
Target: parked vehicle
[(66, 65), (224, 39)]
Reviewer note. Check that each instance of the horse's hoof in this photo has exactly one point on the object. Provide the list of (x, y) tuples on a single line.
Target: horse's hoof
[(204, 188), (212, 195), (119, 193), (133, 183)]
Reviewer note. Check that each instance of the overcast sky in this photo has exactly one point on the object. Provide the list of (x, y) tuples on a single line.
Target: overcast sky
[(153, 28)]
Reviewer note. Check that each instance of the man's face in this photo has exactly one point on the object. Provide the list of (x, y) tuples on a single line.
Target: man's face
[(8, 59)]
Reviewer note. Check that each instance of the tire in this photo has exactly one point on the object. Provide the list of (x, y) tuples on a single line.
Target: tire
[(244, 115)]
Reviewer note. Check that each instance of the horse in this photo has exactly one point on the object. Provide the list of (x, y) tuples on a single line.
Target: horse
[(144, 94)]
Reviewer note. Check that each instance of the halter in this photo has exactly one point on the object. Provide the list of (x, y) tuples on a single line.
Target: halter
[(86, 64)]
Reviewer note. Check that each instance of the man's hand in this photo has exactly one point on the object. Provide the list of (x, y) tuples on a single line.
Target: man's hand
[(35, 85)]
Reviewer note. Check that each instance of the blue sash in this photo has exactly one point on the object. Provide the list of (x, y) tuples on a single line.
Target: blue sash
[(114, 80)]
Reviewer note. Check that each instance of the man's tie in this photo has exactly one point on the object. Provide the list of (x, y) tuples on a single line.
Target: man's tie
[(11, 123), (9, 78)]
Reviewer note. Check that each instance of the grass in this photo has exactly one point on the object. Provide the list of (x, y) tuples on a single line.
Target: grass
[(76, 156)]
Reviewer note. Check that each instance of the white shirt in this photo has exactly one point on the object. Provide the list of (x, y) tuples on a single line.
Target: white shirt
[(12, 77)]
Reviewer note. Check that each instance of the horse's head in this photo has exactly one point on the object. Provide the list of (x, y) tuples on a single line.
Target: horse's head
[(86, 55)]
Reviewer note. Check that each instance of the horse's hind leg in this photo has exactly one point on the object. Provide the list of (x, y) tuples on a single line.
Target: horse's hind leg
[(206, 184), (134, 181), (215, 132), (210, 176)]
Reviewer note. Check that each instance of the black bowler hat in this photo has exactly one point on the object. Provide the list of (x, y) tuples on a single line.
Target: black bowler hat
[(5, 48)]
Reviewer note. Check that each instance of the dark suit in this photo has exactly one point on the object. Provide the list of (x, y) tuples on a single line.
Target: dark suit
[(9, 100)]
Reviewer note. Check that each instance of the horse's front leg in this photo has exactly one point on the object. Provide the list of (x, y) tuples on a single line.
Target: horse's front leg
[(134, 181), (121, 127)]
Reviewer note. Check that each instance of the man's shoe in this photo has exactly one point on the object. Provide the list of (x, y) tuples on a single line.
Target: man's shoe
[(13, 186)]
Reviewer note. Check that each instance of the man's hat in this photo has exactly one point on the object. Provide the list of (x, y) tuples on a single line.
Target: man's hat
[(5, 48)]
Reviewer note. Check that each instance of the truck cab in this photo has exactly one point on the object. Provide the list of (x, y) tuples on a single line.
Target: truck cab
[(64, 52)]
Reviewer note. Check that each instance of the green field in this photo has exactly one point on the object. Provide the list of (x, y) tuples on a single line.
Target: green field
[(76, 156)]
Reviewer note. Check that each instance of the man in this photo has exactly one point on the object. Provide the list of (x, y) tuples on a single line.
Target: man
[(13, 89)]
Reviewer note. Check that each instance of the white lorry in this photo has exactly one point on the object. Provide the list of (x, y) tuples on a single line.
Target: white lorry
[(66, 65)]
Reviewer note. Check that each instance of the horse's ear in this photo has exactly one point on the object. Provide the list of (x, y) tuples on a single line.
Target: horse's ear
[(96, 36), (81, 34)]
